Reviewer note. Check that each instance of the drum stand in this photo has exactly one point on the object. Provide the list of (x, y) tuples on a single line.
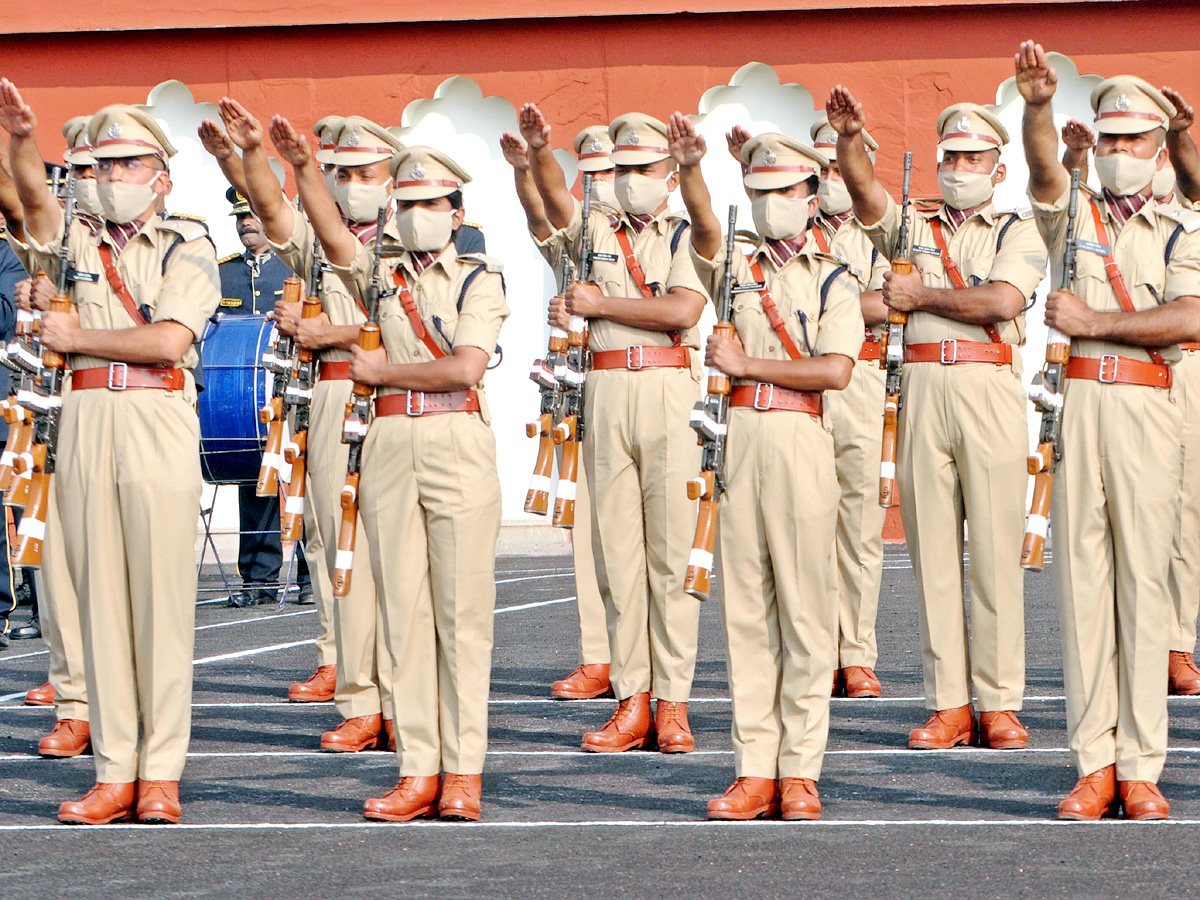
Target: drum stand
[(209, 542)]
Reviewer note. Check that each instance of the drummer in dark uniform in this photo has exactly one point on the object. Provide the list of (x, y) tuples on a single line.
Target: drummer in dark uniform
[(251, 282)]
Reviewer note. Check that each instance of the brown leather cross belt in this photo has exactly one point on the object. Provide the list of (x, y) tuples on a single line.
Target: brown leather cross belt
[(764, 397), (333, 370), (870, 350), (121, 377), (639, 357), (420, 403), (950, 352), (1112, 369)]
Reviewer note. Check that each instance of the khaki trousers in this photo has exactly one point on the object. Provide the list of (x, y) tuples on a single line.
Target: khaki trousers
[(962, 456), (361, 648), (321, 582), (1183, 576), (1114, 511), (589, 605), (430, 503), (775, 530), (58, 611), (639, 453), (856, 418), (128, 493)]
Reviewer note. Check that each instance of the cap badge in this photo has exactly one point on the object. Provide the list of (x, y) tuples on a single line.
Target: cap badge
[(353, 140), (633, 138), (964, 125), (417, 171), (768, 158), (114, 130), (1122, 103), (595, 146)]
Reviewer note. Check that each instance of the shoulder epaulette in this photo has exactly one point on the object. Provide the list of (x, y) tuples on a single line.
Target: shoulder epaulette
[(474, 225), (230, 258), (189, 229), (1025, 212), (831, 258), (187, 217), (482, 259), (927, 204), (1188, 218)]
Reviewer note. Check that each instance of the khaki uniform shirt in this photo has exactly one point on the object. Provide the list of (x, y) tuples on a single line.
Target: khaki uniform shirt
[(1139, 249), (653, 251), (1020, 261), (189, 292), (796, 289), (862, 258), (436, 291)]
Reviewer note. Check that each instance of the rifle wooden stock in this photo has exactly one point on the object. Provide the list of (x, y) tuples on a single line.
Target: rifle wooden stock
[(292, 517), (537, 499), (697, 582), (566, 433), (14, 415), (50, 358), (347, 536), (268, 472), (27, 549), (891, 405), (17, 492), (1033, 550), (718, 381)]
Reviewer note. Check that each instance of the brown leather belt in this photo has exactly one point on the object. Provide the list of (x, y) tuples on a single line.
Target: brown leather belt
[(871, 350), (951, 352), (639, 357), (764, 397), (420, 403), (1189, 347), (333, 370), (121, 377), (1112, 369)]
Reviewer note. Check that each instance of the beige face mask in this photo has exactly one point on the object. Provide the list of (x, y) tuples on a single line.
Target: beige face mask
[(966, 190), (604, 192), (424, 229), (640, 195), (361, 202), (834, 197), (1125, 175), (1164, 182), (122, 203), (87, 197), (778, 217)]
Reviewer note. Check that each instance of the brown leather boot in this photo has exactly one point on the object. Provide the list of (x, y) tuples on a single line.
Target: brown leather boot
[(69, 737), (389, 728), (946, 728), (585, 683), (672, 731), (627, 729), (461, 797), (1002, 731), (1092, 797), (861, 682), (799, 799), (318, 689), (158, 802), (353, 735), (1183, 676), (1143, 800), (104, 803), (413, 797), (42, 695), (747, 798)]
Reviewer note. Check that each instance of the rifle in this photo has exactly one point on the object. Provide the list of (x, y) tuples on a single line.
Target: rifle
[(279, 361), (358, 421), (23, 355), (893, 359), (708, 421), (569, 431), (546, 374), (44, 400), (1046, 392)]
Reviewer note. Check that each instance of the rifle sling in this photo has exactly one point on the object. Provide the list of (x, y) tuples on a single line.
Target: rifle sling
[(1113, 271), (414, 317), (639, 277), (118, 286), (951, 267), (772, 311)]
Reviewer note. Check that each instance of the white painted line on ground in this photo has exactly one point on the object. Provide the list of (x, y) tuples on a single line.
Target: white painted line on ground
[(615, 823), (23, 656), (505, 609), (17, 696), (560, 574), (243, 653)]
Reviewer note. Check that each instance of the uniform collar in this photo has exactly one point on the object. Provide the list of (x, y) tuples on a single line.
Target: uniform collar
[(446, 259), (660, 220), (770, 250), (935, 209)]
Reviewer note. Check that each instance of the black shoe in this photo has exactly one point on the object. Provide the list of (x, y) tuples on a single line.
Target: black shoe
[(27, 632), (305, 597), (3, 640), (251, 596)]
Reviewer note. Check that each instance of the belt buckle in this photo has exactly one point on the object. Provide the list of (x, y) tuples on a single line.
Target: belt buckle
[(758, 390), (113, 368), (629, 358), (1105, 361), (953, 357), (408, 404)]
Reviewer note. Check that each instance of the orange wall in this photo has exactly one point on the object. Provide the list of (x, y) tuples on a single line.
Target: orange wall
[(906, 64)]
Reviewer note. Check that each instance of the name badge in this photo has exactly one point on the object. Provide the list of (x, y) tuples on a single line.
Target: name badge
[(77, 276), (1093, 247), (605, 257), (231, 301), (747, 288), (932, 251)]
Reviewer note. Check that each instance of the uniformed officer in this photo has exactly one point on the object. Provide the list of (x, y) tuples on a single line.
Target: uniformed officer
[(963, 437), (430, 492), (129, 443), (1115, 505), (359, 149), (251, 284), (639, 450), (799, 328), (593, 149), (854, 414)]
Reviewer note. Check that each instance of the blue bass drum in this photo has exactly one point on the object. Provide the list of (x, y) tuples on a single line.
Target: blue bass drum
[(235, 389)]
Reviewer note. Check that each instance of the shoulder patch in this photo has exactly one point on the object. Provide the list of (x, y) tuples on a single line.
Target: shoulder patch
[(1188, 218), (480, 259), (189, 229), (230, 258)]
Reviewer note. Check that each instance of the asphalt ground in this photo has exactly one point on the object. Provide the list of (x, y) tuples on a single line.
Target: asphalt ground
[(266, 814)]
